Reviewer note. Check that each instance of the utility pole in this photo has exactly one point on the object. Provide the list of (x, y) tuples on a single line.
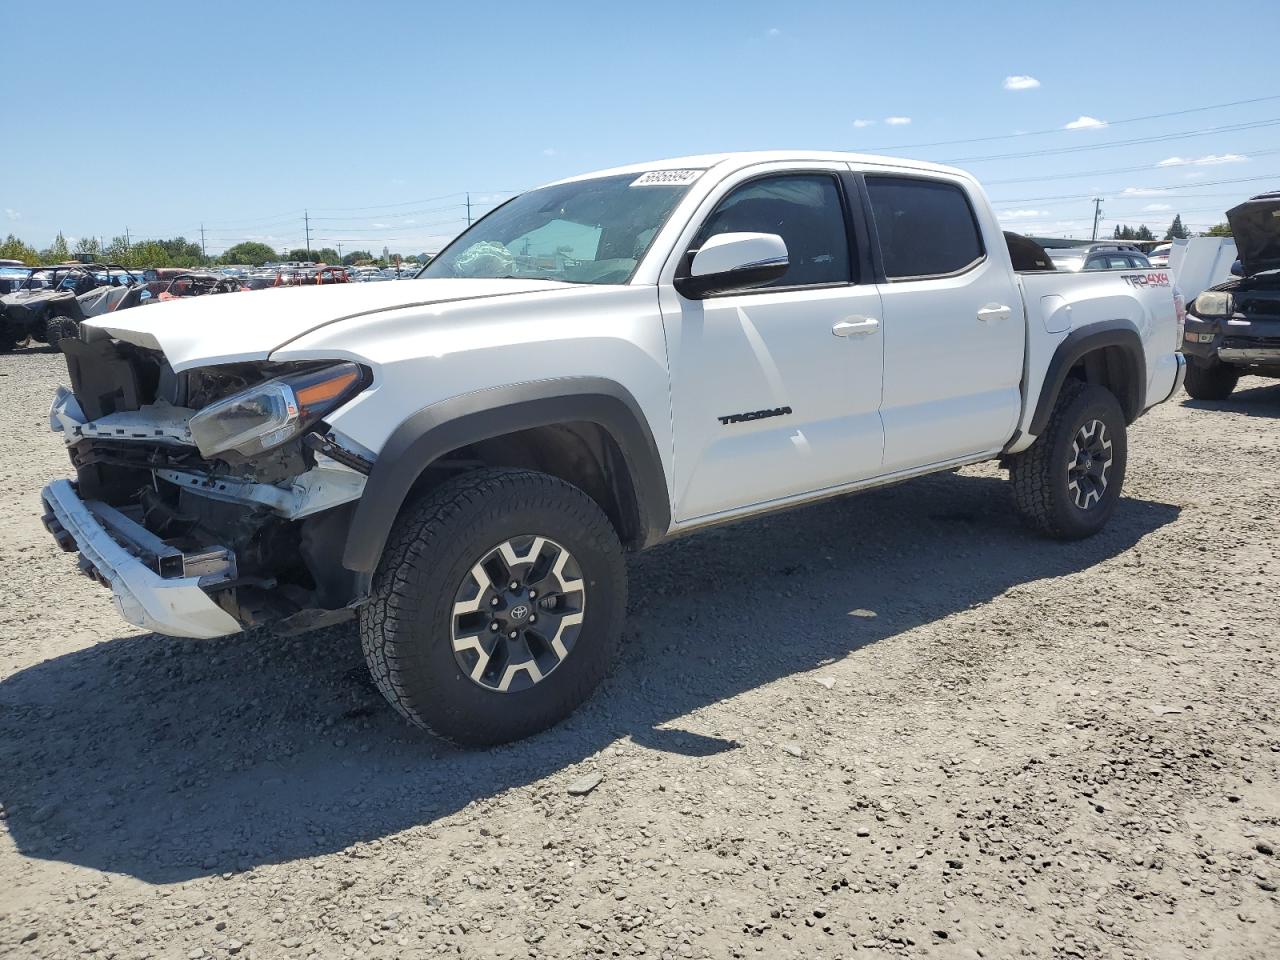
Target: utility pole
[(306, 219), (1097, 215), (468, 209), (203, 252), (339, 250), (128, 244)]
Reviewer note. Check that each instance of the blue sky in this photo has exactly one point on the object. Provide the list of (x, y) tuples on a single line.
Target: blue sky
[(240, 116)]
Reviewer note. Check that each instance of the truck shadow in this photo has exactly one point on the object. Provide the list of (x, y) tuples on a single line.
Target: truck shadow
[(166, 759)]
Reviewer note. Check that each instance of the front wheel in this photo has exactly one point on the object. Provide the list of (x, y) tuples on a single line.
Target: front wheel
[(59, 328), (1067, 483), (1214, 382), (497, 607)]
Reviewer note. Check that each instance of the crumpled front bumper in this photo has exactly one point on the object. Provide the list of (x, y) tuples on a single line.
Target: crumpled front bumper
[(174, 606)]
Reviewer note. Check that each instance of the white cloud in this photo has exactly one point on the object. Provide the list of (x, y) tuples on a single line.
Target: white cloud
[(1157, 207), (1020, 81), (1021, 214), (379, 226), (1204, 161), (12, 214), (897, 121), (1085, 123), (863, 123), (774, 31), (1143, 192), (549, 152)]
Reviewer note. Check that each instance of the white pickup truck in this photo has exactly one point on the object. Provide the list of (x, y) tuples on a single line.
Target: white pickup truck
[(461, 460)]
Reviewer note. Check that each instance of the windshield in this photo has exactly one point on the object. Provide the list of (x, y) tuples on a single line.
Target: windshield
[(588, 231)]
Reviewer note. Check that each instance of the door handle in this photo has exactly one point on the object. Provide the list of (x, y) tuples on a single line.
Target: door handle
[(856, 327), (993, 312)]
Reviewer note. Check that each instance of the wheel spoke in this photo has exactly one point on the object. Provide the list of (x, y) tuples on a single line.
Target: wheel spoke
[(483, 585)]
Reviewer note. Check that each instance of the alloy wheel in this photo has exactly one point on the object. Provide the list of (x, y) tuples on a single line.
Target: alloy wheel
[(517, 614), (1088, 471)]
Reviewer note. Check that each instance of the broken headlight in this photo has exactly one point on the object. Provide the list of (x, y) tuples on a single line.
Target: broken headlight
[(1214, 303), (265, 416)]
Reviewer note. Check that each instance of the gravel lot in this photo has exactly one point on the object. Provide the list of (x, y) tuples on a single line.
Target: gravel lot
[(890, 725)]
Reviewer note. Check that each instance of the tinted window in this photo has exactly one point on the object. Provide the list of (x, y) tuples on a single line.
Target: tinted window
[(805, 210), (926, 228)]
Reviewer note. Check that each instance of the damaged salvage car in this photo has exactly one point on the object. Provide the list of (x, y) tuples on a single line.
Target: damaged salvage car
[(1233, 329), (51, 302), (462, 460)]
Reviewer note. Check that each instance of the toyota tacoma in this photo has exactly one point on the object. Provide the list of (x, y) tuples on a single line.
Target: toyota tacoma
[(460, 461)]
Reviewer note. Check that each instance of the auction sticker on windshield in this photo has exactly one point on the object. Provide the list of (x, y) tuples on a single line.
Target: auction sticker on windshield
[(667, 178)]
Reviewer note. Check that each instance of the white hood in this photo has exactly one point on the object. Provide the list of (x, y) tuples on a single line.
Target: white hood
[(227, 327)]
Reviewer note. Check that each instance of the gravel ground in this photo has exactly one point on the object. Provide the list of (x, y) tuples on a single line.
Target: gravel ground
[(890, 725)]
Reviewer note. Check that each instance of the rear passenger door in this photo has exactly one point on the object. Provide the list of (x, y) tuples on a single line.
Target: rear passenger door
[(953, 323)]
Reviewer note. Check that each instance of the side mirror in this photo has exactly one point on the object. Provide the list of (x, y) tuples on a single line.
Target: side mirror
[(734, 261), (1237, 269)]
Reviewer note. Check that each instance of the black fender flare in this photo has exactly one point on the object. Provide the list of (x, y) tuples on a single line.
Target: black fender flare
[(1077, 344), (435, 430)]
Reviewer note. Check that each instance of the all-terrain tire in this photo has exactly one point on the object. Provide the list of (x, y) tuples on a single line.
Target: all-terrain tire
[(1042, 475), (408, 627), (57, 329), (1215, 382)]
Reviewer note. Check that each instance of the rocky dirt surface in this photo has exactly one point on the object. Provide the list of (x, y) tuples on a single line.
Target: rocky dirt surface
[(894, 725)]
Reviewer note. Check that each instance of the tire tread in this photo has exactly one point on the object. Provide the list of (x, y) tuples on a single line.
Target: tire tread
[(392, 600)]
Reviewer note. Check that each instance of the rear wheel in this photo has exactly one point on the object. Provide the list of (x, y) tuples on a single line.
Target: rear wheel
[(1214, 382), (1067, 484), (497, 608)]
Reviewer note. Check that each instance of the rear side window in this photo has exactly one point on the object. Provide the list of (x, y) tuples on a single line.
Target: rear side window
[(926, 228)]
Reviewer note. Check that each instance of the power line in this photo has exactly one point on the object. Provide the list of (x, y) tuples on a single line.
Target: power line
[(409, 203), (1040, 133), (1161, 138), (1147, 192), (405, 213), (1146, 167)]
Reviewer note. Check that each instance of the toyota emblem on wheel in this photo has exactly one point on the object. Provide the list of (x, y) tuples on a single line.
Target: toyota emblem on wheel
[(519, 612)]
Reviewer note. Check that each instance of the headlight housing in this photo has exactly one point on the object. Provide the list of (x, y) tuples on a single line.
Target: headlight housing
[(1214, 303), (272, 413)]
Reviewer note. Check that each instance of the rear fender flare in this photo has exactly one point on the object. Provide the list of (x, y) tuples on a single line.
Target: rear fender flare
[(434, 431), (1078, 344)]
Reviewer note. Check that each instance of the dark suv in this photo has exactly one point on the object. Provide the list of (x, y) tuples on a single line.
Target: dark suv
[(1234, 328), (1099, 256)]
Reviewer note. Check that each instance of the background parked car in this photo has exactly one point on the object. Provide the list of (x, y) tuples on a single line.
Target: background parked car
[(1099, 256)]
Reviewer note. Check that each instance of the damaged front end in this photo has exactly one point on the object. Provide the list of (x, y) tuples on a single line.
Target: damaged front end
[(211, 499)]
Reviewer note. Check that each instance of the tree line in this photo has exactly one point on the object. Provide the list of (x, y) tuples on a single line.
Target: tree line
[(1176, 231), (181, 252)]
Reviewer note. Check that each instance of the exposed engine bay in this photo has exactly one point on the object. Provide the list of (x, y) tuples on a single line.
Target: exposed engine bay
[(165, 462)]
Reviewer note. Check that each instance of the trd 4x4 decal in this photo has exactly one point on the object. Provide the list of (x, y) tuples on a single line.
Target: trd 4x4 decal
[(1147, 279)]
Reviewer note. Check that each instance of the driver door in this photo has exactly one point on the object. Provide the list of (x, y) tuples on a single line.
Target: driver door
[(776, 390)]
